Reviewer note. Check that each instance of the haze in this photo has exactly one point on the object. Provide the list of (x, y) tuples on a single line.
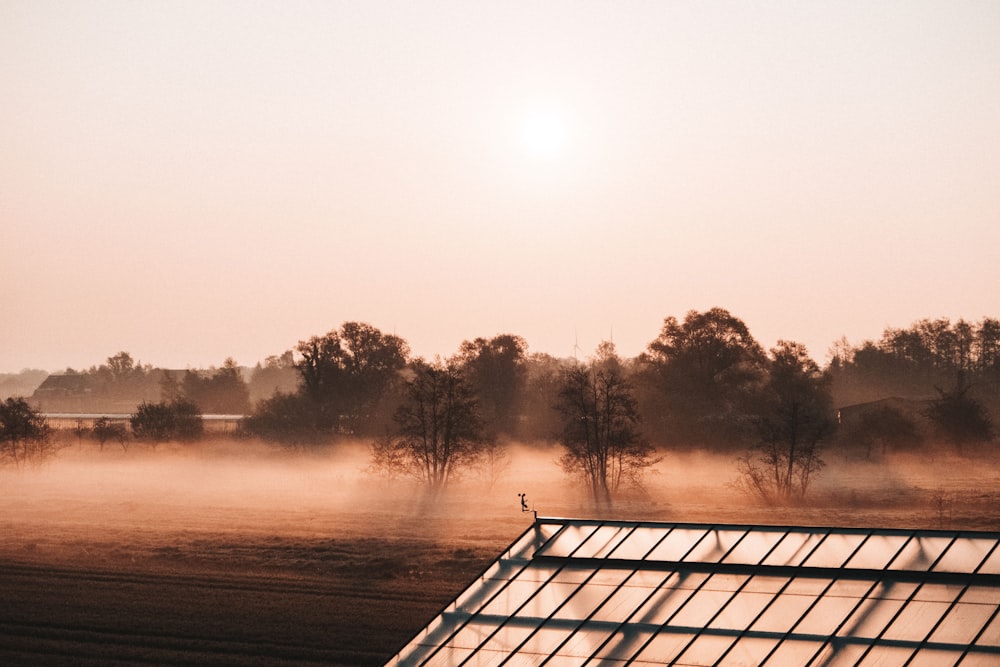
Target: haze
[(190, 181)]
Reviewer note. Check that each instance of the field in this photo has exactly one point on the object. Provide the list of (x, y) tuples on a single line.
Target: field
[(232, 554)]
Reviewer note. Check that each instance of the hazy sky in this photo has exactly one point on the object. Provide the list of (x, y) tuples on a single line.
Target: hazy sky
[(189, 181)]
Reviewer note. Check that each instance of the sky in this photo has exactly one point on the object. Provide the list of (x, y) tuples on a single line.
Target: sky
[(191, 181)]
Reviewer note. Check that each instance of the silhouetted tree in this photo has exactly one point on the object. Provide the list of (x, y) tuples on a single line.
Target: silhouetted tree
[(160, 422), (217, 391), (958, 418), (795, 417), (286, 418), (700, 379), (541, 391), (276, 375), (438, 428), (104, 430), (496, 369), (886, 428), (24, 434), (912, 362), (347, 373), (601, 426)]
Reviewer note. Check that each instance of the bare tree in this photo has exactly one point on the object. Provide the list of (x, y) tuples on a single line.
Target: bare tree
[(105, 430), (795, 417), (438, 429), (600, 426)]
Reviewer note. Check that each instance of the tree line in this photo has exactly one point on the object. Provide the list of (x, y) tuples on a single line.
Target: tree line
[(703, 382)]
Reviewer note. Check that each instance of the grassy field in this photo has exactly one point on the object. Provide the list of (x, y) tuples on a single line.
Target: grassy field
[(249, 556)]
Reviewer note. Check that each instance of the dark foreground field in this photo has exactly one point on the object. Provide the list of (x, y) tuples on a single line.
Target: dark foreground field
[(297, 608), (169, 557)]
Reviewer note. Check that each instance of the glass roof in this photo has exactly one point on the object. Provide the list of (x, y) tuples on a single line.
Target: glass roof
[(578, 592)]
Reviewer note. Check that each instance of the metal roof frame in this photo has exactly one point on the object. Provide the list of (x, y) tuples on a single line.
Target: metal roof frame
[(578, 591)]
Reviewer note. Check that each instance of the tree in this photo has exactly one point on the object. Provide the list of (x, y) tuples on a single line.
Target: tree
[(160, 422), (496, 368), (701, 376), (347, 373), (438, 429), (601, 426), (541, 390), (104, 430), (24, 433), (286, 418), (958, 418), (221, 391), (795, 416), (276, 375), (884, 427)]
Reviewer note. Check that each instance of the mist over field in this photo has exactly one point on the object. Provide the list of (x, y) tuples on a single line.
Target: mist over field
[(232, 486)]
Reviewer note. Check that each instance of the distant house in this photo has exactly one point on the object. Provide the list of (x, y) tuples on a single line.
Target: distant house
[(71, 384), (93, 393)]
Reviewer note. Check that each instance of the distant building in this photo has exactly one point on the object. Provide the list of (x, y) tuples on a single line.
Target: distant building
[(93, 393)]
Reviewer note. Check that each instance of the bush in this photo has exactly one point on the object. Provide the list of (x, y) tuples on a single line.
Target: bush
[(159, 422)]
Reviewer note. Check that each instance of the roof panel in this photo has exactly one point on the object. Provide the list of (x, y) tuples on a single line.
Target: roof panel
[(741, 611), (878, 551), (835, 550), (916, 620), (963, 623), (793, 652), (920, 552), (826, 615), (661, 648), (705, 649), (886, 656), (965, 555), (567, 540), (992, 563), (715, 546), (570, 592), (794, 548), (748, 651), (678, 543), (602, 541), (754, 547), (639, 542)]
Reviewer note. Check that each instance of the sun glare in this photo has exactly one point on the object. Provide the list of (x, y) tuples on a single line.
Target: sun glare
[(544, 133)]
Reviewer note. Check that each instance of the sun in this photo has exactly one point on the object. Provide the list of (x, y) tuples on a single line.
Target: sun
[(544, 133)]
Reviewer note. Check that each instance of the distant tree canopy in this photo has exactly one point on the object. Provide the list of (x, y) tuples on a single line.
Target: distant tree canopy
[(913, 361), (164, 421), (217, 391), (883, 429), (700, 378), (496, 369), (348, 373), (700, 383), (959, 419), (276, 375)]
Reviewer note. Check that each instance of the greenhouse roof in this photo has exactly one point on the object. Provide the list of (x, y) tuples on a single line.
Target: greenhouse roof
[(575, 592)]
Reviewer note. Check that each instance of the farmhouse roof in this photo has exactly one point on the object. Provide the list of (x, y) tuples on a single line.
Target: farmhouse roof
[(574, 592), (66, 383)]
